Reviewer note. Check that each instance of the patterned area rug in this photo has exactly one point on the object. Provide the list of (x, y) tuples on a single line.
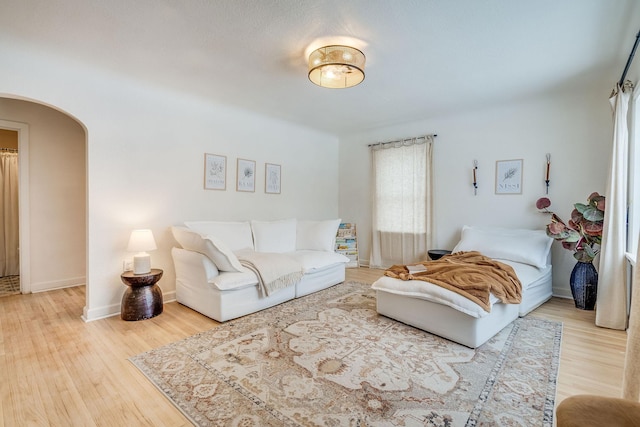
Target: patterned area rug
[(328, 359)]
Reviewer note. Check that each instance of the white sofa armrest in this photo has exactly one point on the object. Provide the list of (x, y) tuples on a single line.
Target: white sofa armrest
[(193, 267)]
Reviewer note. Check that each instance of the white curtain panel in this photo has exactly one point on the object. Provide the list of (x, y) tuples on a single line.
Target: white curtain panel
[(611, 308), (402, 214), (9, 252)]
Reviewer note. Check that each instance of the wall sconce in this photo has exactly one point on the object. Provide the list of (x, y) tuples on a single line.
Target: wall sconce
[(546, 178), (336, 66), (141, 241), (475, 180)]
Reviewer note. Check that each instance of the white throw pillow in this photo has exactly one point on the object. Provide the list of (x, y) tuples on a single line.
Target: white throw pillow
[(236, 235), (211, 246), (221, 254), (317, 235), (525, 246), (274, 236)]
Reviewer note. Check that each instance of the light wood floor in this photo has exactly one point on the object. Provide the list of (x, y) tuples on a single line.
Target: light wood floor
[(57, 370)]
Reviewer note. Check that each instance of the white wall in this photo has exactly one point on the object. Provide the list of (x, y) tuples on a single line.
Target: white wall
[(145, 157), (575, 128), (57, 195)]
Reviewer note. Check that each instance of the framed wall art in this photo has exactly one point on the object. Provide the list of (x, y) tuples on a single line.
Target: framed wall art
[(215, 172), (272, 178), (509, 176), (246, 175)]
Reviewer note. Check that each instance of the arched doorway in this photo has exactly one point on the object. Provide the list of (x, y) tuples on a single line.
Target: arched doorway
[(53, 171)]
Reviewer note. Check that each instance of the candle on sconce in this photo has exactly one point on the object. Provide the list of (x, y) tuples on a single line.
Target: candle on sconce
[(548, 166), (475, 182), (546, 179)]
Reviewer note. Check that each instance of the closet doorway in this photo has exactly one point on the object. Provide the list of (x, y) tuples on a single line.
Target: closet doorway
[(24, 246), (9, 213)]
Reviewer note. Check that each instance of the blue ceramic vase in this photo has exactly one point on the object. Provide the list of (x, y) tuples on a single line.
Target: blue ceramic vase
[(584, 285)]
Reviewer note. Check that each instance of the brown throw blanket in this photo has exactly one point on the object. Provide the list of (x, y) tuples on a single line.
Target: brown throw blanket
[(469, 274)]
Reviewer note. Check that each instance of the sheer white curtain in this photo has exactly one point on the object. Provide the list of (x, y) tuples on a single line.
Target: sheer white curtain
[(402, 217), (9, 258), (611, 309)]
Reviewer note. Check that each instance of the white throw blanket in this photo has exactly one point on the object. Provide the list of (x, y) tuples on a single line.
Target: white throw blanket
[(275, 271)]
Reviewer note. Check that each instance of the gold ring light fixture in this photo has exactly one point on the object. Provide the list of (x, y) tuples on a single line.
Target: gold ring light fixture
[(336, 66)]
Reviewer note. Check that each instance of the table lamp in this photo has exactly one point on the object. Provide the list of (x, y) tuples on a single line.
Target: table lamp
[(141, 241)]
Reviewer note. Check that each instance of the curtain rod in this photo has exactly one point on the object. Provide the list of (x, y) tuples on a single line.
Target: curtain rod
[(402, 140), (626, 67), (8, 150)]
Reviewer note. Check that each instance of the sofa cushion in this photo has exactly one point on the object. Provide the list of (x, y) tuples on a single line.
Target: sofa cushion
[(317, 260), (216, 250), (236, 235), (525, 246), (317, 235), (274, 236), (228, 281)]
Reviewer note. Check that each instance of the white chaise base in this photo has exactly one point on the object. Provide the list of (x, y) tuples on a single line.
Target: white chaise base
[(537, 292), (445, 321), (320, 279)]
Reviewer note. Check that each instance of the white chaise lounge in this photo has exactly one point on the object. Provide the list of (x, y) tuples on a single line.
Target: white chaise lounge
[(449, 315)]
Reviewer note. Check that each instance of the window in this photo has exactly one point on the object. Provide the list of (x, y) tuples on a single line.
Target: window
[(402, 202), (400, 187)]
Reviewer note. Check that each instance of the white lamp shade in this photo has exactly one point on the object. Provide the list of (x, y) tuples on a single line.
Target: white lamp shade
[(141, 241)]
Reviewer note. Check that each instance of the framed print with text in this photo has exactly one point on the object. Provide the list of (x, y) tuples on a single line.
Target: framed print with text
[(272, 178), (246, 175), (215, 172), (509, 176)]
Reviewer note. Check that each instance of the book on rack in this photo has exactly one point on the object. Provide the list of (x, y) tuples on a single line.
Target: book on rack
[(344, 244), (347, 230)]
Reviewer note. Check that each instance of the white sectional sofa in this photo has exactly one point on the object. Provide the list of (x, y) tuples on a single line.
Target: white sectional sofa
[(212, 276)]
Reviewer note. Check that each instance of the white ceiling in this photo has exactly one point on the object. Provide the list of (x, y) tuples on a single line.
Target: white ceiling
[(424, 57)]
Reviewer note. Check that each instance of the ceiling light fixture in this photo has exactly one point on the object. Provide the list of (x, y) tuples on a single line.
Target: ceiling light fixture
[(336, 66)]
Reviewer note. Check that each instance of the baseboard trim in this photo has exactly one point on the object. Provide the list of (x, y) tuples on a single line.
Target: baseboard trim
[(168, 297), (562, 293), (100, 312), (58, 284)]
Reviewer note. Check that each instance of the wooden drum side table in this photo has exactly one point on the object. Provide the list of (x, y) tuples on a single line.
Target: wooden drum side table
[(143, 297)]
